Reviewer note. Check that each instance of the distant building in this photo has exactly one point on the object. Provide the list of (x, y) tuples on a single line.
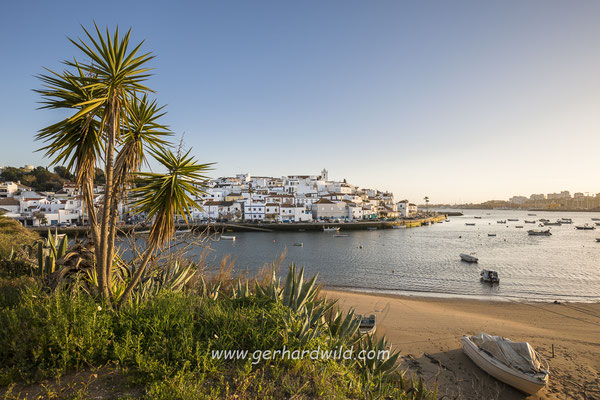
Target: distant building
[(518, 199), (327, 209), (406, 209), (537, 197)]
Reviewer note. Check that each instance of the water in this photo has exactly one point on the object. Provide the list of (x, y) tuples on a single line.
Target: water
[(425, 260)]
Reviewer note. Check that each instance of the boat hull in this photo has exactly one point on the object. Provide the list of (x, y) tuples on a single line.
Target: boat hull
[(520, 381)]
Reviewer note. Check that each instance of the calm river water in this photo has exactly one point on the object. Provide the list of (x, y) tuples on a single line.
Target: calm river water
[(425, 260)]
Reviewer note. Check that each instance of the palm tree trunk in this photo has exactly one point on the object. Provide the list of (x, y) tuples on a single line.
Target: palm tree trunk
[(103, 262), (113, 230)]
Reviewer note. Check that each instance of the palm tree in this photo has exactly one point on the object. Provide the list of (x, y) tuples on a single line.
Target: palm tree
[(115, 123), (426, 198)]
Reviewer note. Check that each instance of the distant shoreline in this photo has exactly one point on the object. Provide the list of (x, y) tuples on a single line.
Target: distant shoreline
[(263, 227)]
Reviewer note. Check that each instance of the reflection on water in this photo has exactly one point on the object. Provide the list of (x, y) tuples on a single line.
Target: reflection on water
[(563, 266)]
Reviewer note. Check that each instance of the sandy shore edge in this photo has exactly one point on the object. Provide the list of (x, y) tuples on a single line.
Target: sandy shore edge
[(427, 330)]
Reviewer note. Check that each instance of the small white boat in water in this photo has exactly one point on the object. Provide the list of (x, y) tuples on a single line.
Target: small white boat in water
[(331, 229), (367, 324), (468, 258), (489, 276), (585, 227), (539, 232), (566, 221), (515, 363), (224, 237), (529, 222)]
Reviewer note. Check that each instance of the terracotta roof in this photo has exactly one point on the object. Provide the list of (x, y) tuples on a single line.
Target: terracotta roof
[(323, 201), (9, 201)]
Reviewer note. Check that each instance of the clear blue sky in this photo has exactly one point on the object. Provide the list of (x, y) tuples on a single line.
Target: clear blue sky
[(460, 101)]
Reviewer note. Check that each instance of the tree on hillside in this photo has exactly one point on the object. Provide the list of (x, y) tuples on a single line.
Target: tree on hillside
[(63, 172), (426, 198), (115, 124)]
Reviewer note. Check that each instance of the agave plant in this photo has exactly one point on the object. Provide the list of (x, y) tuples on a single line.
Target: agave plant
[(210, 291), (375, 371), (343, 328), (49, 251)]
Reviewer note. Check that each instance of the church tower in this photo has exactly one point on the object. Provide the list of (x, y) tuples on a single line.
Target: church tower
[(324, 175)]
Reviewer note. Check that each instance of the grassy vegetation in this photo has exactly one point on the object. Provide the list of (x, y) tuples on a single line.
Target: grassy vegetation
[(13, 236), (163, 344), (161, 341)]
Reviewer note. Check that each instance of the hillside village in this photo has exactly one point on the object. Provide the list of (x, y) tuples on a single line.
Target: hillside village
[(243, 198)]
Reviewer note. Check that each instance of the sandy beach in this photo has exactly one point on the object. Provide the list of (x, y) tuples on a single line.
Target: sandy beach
[(426, 331)]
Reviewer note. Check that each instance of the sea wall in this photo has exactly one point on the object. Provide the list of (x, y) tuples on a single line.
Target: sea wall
[(267, 227)]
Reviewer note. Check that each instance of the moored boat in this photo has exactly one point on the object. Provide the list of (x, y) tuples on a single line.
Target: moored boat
[(477, 217), (539, 232), (595, 219), (367, 324), (224, 237), (468, 258), (513, 219), (529, 222), (489, 276), (501, 221), (491, 234), (515, 363), (470, 223), (585, 227), (566, 220), (518, 226), (331, 228), (557, 223)]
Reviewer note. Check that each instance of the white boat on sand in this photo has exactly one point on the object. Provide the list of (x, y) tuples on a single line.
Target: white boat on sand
[(367, 324), (468, 258), (515, 363)]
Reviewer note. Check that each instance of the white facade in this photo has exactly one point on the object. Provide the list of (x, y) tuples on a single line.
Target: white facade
[(254, 211)]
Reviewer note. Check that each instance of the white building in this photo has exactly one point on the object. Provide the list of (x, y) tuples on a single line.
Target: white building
[(254, 211), (406, 209), (325, 209)]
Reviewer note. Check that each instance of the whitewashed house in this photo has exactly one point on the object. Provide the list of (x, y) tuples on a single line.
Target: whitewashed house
[(254, 211), (327, 209)]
